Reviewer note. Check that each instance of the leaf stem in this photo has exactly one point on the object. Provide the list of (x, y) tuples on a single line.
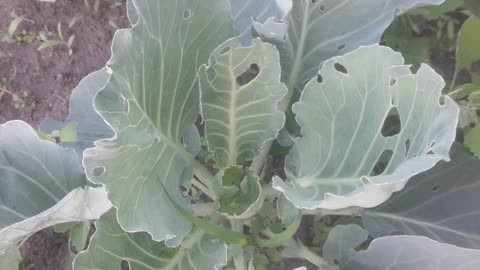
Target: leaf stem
[(454, 80), (203, 188), (6, 91), (237, 251), (307, 254), (204, 209), (187, 245), (205, 177), (298, 250), (269, 192), (261, 158), (350, 211)]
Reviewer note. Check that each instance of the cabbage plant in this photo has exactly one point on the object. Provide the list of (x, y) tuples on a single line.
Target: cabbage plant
[(217, 125)]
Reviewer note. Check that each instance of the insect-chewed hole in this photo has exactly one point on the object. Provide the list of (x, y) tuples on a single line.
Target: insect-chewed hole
[(124, 265), (187, 13), (391, 125), (211, 74), (393, 82), (319, 78), (98, 171), (126, 107), (407, 146), (435, 188), (247, 76), (341, 47), (341, 68), (382, 163), (225, 50), (322, 7)]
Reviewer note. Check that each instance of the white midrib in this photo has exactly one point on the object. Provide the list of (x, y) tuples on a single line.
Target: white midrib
[(420, 223), (259, 161), (186, 247), (297, 64), (232, 137)]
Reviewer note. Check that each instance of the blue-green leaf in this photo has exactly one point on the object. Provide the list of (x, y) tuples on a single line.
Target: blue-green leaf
[(343, 114), (151, 98), (441, 204), (110, 245), (413, 252)]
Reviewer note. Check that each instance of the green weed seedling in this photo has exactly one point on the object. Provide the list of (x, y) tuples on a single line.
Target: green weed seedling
[(46, 42)]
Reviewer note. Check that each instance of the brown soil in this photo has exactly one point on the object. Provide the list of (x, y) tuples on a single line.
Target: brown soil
[(44, 79), (45, 250)]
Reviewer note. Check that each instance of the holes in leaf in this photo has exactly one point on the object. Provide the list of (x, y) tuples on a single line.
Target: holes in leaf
[(314, 1), (407, 146), (442, 101), (285, 37), (391, 125), (435, 189), (225, 50), (341, 47), (322, 7), (211, 74), (187, 13), (393, 82), (382, 163), (319, 78), (98, 171), (124, 265), (431, 152), (247, 76), (126, 108), (341, 68)]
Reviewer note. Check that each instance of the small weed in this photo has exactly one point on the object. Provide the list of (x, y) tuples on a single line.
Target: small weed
[(13, 34), (61, 41), (114, 3), (88, 9), (113, 25), (22, 102)]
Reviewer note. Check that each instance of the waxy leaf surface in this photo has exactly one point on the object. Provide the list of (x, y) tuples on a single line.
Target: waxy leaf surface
[(42, 185), (441, 204), (89, 125), (342, 114), (239, 103), (314, 31), (150, 101), (110, 246), (413, 252)]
